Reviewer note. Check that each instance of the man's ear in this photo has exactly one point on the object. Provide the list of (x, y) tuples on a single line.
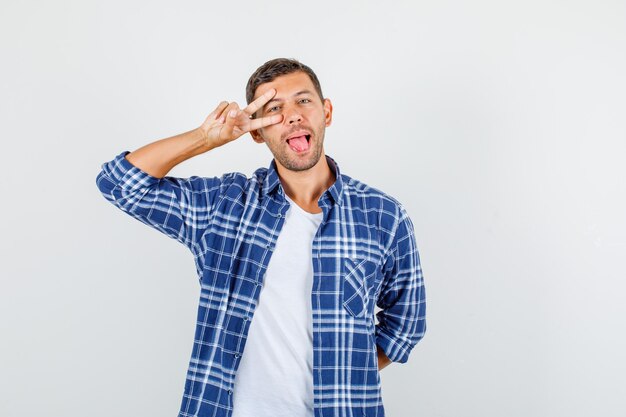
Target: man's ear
[(328, 111), (256, 136)]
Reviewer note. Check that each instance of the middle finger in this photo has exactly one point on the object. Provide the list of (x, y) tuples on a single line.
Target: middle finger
[(251, 108)]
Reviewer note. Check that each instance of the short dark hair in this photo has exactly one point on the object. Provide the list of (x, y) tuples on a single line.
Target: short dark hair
[(274, 68)]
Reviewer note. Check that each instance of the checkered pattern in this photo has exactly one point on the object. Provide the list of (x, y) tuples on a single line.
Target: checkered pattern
[(364, 254)]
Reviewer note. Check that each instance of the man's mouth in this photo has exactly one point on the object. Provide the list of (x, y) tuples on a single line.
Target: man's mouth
[(299, 142)]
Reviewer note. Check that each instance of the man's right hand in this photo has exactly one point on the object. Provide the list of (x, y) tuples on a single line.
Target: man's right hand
[(227, 122)]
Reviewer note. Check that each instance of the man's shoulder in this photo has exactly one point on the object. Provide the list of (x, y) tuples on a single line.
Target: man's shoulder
[(240, 178), (226, 179), (242, 181), (359, 191)]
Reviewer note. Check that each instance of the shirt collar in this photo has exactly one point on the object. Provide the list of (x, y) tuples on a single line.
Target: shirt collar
[(272, 181)]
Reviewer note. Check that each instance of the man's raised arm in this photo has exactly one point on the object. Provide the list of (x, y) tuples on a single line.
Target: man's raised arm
[(226, 123), (181, 208)]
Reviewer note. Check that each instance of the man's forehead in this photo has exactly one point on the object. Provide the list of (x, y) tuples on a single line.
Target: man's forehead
[(287, 85)]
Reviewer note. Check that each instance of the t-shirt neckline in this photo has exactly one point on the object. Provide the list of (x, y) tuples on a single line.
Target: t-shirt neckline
[(303, 211)]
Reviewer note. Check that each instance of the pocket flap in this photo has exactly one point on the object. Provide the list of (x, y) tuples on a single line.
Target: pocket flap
[(354, 285)]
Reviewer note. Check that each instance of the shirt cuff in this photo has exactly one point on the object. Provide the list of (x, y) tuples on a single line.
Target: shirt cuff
[(126, 175), (395, 349)]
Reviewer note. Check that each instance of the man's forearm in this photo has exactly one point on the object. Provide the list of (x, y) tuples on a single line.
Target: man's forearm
[(383, 360), (158, 158)]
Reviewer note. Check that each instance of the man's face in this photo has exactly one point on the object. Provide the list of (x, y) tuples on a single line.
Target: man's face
[(304, 115)]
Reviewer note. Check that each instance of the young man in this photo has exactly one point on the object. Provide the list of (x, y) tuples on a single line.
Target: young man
[(291, 261)]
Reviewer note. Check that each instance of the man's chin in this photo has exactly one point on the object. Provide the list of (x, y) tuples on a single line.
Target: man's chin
[(298, 164), (299, 167)]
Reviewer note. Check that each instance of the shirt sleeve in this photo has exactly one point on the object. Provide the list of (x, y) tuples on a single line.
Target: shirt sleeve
[(402, 320), (178, 207)]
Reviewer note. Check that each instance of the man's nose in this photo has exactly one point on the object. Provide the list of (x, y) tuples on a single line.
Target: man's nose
[(293, 117)]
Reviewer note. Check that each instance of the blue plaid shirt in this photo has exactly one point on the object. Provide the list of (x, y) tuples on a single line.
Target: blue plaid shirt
[(364, 254)]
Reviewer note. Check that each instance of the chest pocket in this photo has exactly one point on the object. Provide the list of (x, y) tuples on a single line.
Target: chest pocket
[(357, 274)]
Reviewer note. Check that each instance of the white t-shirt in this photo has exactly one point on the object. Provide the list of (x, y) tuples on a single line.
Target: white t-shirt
[(275, 376)]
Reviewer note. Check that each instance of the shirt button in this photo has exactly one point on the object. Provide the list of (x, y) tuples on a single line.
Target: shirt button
[(230, 392), (245, 318), (236, 355)]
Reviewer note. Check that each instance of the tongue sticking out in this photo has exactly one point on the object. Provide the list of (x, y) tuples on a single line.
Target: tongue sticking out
[(299, 143)]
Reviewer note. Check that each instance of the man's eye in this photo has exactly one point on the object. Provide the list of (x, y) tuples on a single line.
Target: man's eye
[(305, 100), (272, 108)]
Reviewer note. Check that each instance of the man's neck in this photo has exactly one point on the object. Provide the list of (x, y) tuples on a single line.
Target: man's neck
[(306, 187)]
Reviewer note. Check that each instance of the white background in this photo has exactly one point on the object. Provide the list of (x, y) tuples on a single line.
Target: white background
[(500, 125)]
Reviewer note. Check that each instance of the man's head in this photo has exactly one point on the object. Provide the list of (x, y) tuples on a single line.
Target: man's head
[(275, 68), (297, 141)]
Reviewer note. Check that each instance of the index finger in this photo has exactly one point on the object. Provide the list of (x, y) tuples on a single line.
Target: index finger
[(259, 102), (264, 121)]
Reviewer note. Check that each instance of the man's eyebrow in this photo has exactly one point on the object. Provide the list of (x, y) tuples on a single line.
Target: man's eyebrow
[(299, 93), (302, 92)]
